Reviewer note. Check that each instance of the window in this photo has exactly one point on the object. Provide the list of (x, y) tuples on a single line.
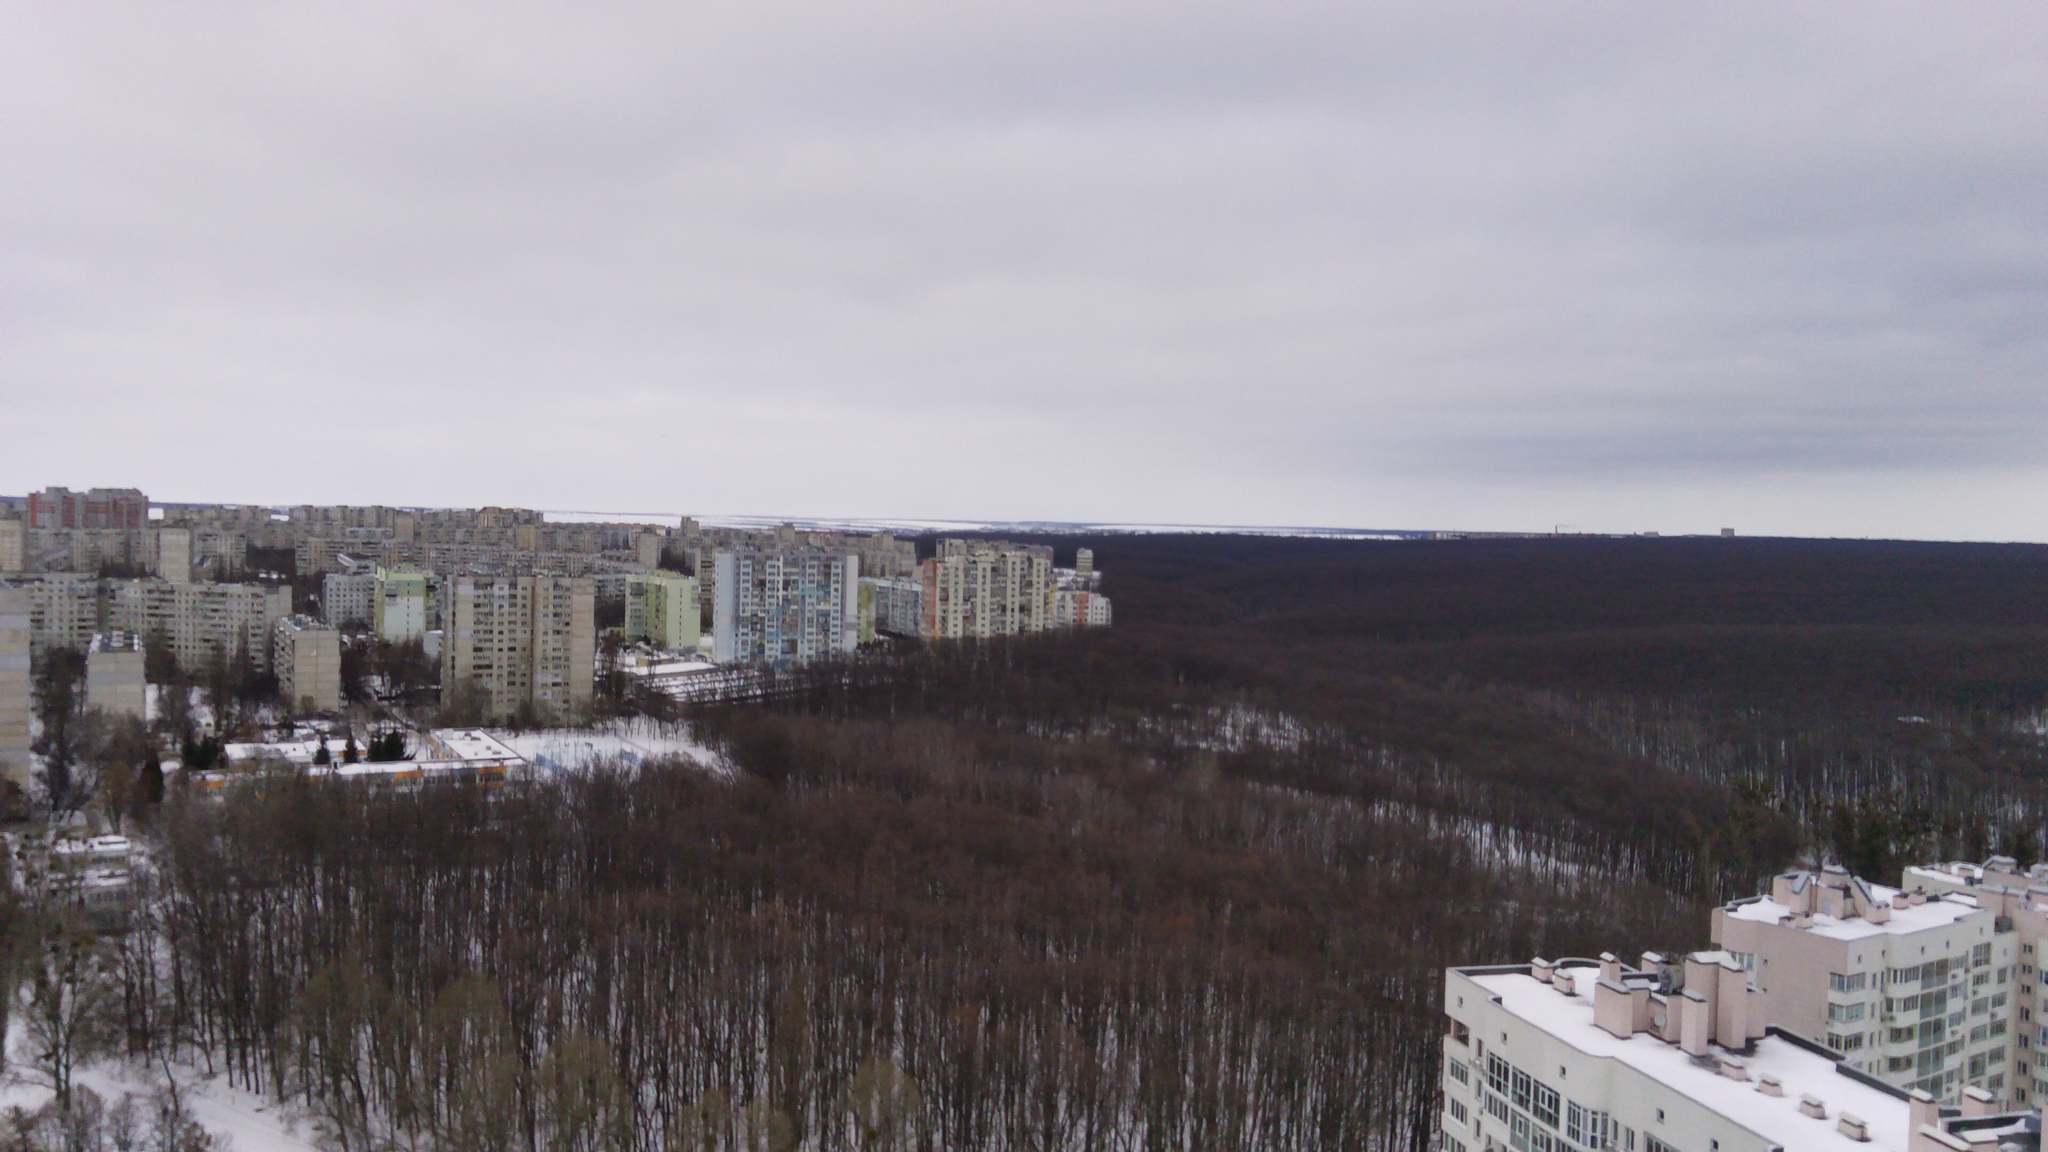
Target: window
[(1544, 1107), (1459, 1071), (1496, 1074), (1849, 1042), (1456, 1108), (1520, 1088), (1980, 955), (1652, 1144), (1839, 982), (1844, 1012)]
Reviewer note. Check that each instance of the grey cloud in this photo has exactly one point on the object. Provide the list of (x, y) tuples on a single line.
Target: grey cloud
[(1280, 263)]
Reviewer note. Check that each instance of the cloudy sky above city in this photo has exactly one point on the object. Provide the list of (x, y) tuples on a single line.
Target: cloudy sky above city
[(1620, 267)]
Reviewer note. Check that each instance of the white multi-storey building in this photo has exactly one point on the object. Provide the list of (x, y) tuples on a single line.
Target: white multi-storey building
[(2013, 994), (348, 599), (1671, 1057), (399, 603), (527, 643), (981, 588), (201, 622), (1914, 989), (784, 608)]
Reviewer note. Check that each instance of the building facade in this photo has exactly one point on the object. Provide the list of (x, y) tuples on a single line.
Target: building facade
[(1671, 1056), (347, 599), (661, 608), (201, 622), (115, 675), (524, 643), (1914, 989), (897, 604), (123, 508), (399, 603), (306, 655), (975, 589), (785, 608), (14, 683), (2018, 902)]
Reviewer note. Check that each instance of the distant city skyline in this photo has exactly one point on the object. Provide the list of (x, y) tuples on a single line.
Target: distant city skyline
[(1622, 267)]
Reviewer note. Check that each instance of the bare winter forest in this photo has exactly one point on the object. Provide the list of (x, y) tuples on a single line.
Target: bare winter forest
[(1185, 883)]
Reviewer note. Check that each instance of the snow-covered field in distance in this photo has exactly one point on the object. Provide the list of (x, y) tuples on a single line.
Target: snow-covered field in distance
[(915, 526)]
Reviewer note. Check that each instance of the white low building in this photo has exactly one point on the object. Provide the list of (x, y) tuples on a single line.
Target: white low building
[(1586, 1054)]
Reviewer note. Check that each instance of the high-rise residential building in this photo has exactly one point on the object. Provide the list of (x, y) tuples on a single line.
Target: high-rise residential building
[(1671, 1056), (13, 545), (348, 599), (14, 683), (896, 604), (306, 655), (661, 608), (784, 608), (64, 609), (528, 644), (2013, 991), (201, 622), (123, 508), (115, 679), (1072, 609), (980, 588), (399, 603), (647, 548), (171, 557), (1914, 990)]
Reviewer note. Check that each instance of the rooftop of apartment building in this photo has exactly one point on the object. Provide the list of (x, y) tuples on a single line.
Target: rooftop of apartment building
[(300, 622), (2000, 871), (1834, 904), (1780, 1087), (116, 641)]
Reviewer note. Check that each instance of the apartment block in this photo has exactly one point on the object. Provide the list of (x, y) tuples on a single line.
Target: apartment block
[(1915, 989), (14, 683), (2014, 991), (200, 622), (785, 608), (100, 508), (1672, 1056), (661, 608), (980, 589), (13, 545), (170, 554), (347, 599), (306, 655), (1078, 610), (115, 680), (64, 609), (399, 603), (528, 643), (892, 605)]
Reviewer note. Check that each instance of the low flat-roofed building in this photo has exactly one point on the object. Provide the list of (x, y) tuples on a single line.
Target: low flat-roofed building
[(115, 675), (1586, 1054)]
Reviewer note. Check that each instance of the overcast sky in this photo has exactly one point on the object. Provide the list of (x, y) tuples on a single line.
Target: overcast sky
[(1639, 266)]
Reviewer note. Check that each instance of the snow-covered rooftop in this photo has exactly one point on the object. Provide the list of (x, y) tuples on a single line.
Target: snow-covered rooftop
[(1938, 912), (1778, 1119)]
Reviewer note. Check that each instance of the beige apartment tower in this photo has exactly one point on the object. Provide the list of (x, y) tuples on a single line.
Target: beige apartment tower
[(979, 589), (307, 657), (115, 675), (14, 684), (13, 545), (528, 644)]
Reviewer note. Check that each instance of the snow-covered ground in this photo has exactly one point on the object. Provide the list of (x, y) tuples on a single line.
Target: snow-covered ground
[(253, 1123), (563, 750)]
